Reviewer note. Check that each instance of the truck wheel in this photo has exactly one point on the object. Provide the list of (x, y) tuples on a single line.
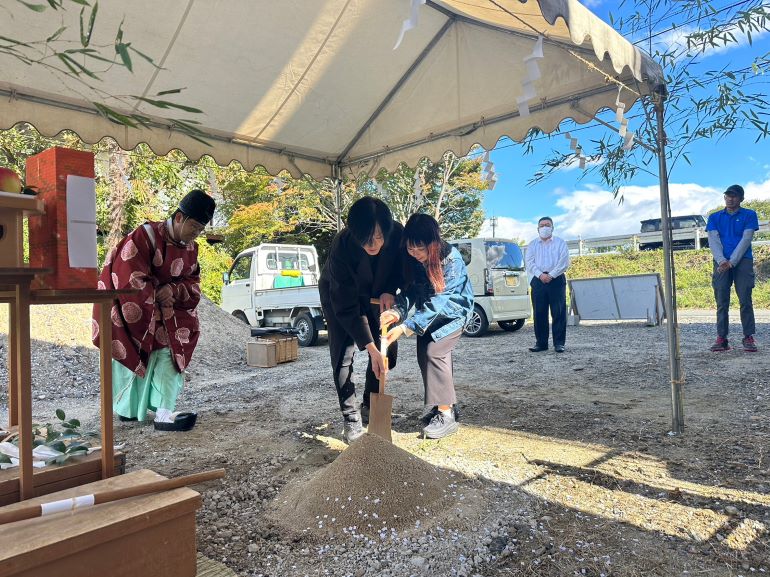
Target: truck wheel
[(307, 332), (511, 326), (478, 324), (241, 316)]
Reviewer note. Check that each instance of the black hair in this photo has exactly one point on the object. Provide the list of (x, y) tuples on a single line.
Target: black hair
[(423, 230), (542, 218), (364, 216)]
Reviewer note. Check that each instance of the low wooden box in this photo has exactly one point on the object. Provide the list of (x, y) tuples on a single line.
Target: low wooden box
[(270, 350), (286, 347), (261, 353), (149, 535), (77, 471)]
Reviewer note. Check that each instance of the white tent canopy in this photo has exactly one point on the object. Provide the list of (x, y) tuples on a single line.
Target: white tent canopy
[(310, 85)]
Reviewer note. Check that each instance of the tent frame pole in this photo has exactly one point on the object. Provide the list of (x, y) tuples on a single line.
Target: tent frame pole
[(672, 325)]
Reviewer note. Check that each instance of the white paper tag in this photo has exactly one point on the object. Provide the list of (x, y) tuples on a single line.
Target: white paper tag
[(81, 221)]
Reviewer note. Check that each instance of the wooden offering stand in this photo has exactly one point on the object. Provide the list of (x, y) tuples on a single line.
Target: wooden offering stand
[(15, 289)]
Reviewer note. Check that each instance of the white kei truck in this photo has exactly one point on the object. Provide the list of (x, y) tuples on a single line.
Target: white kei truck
[(276, 285)]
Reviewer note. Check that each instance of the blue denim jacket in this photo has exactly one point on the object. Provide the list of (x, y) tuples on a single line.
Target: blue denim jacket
[(438, 315)]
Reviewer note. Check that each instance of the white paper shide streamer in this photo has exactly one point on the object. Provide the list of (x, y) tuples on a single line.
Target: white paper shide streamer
[(488, 171), (417, 188), (575, 145), (528, 91), (411, 22), (628, 137)]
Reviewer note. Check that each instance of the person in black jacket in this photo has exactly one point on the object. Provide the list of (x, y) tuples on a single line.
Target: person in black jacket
[(364, 263)]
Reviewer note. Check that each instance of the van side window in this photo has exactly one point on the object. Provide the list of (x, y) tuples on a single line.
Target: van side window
[(465, 251), (241, 268)]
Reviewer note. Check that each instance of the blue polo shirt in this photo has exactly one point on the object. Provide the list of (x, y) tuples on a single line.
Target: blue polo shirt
[(731, 226)]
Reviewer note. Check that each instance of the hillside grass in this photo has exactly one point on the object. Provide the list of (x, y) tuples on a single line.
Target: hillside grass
[(693, 273)]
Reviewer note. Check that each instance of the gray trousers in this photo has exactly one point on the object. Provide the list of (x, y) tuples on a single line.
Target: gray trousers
[(743, 278), (435, 361)]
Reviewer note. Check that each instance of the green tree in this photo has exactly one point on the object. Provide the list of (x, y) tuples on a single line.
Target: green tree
[(451, 191)]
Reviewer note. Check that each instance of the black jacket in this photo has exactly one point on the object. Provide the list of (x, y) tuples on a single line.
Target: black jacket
[(350, 278)]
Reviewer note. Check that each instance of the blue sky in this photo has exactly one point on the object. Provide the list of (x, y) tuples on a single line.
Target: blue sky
[(583, 207)]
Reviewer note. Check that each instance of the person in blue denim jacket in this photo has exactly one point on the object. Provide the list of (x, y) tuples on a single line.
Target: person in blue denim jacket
[(436, 284)]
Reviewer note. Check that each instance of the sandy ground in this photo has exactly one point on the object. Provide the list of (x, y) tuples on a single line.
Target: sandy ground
[(570, 455)]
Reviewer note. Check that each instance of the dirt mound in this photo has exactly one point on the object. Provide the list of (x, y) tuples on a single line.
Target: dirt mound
[(223, 337), (373, 488)]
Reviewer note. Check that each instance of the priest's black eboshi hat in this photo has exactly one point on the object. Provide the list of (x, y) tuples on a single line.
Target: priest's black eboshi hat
[(198, 205)]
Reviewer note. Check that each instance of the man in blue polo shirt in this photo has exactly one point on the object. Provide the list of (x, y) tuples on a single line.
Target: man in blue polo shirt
[(730, 234)]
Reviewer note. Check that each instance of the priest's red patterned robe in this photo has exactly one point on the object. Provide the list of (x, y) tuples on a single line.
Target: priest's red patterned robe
[(139, 324)]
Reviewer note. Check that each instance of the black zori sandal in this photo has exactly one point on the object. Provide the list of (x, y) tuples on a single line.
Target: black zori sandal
[(182, 422)]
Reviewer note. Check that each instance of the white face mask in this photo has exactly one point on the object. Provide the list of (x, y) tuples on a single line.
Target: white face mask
[(545, 231)]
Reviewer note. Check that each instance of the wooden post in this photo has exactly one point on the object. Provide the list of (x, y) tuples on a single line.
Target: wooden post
[(13, 373), (24, 389), (105, 369)]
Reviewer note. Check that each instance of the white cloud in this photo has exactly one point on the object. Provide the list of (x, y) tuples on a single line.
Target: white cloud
[(508, 227), (591, 3), (675, 41), (593, 212)]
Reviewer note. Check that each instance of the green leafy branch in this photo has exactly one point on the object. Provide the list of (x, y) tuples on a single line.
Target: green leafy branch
[(64, 436)]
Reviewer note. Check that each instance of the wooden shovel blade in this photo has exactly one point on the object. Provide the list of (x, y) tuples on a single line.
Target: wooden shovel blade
[(380, 411)]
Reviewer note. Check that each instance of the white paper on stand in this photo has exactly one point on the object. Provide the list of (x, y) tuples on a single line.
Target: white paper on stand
[(81, 221)]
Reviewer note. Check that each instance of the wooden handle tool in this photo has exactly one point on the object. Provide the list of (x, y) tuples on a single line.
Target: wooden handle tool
[(83, 501)]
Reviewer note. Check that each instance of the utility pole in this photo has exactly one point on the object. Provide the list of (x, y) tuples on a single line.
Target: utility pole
[(493, 222)]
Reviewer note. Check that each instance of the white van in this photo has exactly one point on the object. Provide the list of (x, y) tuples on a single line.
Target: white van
[(276, 285), (500, 283)]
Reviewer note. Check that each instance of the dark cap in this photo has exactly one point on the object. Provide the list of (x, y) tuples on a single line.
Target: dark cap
[(734, 190), (198, 205)]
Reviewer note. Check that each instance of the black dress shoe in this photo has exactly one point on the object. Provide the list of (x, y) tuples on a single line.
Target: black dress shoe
[(559, 348), (537, 349), (182, 422), (126, 419)]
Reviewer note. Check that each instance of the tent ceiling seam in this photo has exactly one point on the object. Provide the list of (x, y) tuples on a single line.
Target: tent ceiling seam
[(305, 72), (163, 59), (393, 91)]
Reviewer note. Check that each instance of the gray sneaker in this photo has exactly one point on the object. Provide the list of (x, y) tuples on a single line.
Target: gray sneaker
[(352, 429), (441, 425)]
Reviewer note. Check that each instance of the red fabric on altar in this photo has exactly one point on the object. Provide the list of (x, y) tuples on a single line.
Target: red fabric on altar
[(139, 324)]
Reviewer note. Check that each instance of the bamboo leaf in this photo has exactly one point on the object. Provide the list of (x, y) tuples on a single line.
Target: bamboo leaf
[(167, 104), (143, 55), (56, 34), (33, 7), (122, 50)]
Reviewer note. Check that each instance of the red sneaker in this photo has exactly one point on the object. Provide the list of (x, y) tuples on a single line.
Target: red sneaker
[(749, 345), (720, 345)]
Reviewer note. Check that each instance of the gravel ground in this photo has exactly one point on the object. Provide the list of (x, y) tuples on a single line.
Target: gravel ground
[(568, 457)]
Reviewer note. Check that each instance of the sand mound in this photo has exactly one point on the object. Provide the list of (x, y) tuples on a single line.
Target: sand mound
[(373, 487)]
